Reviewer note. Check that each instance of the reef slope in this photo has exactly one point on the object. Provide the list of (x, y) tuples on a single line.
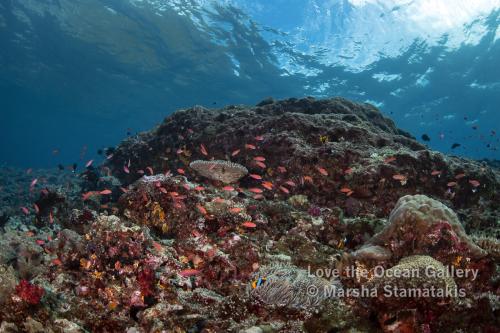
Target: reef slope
[(354, 143)]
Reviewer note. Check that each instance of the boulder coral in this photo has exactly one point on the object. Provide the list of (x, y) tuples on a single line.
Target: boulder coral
[(421, 225), (407, 291), (417, 273)]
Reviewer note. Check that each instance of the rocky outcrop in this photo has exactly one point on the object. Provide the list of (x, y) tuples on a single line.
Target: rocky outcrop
[(421, 225), (348, 150)]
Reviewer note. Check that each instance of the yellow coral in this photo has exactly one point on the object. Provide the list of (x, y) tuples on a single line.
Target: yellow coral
[(157, 217)]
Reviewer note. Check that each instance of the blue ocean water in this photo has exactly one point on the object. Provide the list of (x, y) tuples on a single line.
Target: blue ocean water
[(77, 76)]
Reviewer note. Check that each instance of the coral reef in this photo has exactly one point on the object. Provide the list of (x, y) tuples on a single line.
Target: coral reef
[(254, 219)]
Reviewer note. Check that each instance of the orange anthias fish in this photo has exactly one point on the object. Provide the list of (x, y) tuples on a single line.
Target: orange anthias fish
[(249, 224), (89, 163), (474, 183), (259, 138), (189, 272), (126, 169), (157, 246), (281, 169), (254, 176), (260, 164), (322, 171), (345, 190), (267, 185), (203, 150), (228, 188), (259, 158), (250, 146), (25, 210), (181, 171), (308, 179), (460, 176), (436, 172), (201, 209), (57, 262), (235, 210), (255, 190), (290, 183), (236, 152), (105, 192), (451, 184), (399, 177), (389, 159), (284, 189), (87, 195)]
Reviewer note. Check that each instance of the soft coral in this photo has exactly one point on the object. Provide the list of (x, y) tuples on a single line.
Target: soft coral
[(29, 292)]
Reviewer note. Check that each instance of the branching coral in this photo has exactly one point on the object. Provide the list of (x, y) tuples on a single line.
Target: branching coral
[(224, 171)]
